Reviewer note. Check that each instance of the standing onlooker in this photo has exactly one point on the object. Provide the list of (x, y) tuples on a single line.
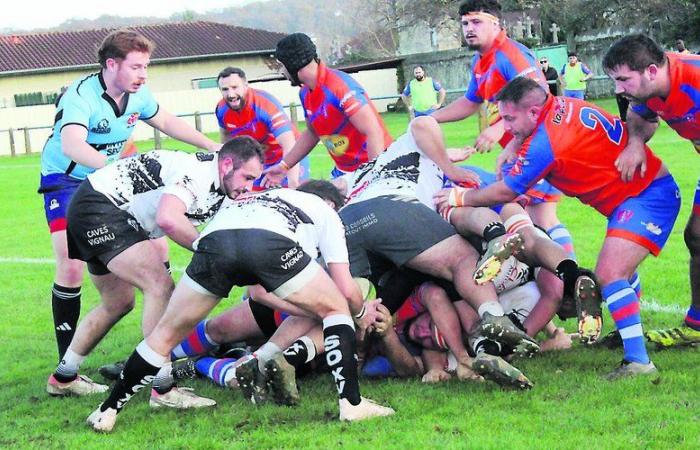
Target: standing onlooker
[(550, 73), (680, 47), (574, 76), (426, 94)]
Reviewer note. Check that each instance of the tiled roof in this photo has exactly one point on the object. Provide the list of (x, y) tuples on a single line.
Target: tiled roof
[(187, 40)]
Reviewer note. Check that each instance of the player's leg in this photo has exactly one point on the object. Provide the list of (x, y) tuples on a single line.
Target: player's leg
[(544, 215), (116, 300)]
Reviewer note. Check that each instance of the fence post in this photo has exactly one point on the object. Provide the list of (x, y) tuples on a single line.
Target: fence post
[(293, 112), (27, 142), (156, 138), (198, 121), (12, 142)]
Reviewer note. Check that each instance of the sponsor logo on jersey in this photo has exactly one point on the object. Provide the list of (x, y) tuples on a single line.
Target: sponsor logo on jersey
[(54, 204), (102, 127), (132, 119)]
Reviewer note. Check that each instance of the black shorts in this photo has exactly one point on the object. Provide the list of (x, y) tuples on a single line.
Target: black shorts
[(264, 316), (389, 230), (97, 231), (228, 258), (396, 285)]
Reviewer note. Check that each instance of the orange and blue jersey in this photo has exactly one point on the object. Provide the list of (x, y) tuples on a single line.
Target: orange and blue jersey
[(328, 108), (262, 118), (681, 109), (574, 146), (505, 60)]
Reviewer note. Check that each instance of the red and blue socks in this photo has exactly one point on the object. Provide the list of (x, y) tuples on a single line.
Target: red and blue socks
[(692, 318), (624, 307), (197, 343), (560, 234)]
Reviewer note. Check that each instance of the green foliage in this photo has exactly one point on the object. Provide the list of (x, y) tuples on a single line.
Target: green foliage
[(570, 406)]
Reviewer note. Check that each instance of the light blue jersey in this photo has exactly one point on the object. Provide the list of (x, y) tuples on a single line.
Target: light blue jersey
[(87, 104)]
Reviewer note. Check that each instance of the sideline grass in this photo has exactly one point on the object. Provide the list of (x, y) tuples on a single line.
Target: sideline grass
[(570, 406)]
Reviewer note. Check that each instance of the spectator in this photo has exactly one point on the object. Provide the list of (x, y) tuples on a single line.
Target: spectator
[(427, 95), (550, 73), (680, 47), (574, 76)]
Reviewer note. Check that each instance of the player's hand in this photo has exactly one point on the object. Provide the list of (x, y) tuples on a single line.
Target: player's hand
[(435, 376), (435, 107), (488, 138), (214, 147), (460, 154), (365, 323), (273, 176), (633, 157), (383, 321), (461, 175)]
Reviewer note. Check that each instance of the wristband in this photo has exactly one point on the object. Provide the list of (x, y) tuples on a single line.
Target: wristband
[(284, 165), (362, 312), (456, 197)]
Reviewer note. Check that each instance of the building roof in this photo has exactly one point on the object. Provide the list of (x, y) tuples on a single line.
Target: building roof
[(46, 52)]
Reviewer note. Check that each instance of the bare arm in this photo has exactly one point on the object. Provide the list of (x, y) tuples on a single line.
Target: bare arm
[(177, 128), (74, 146), (287, 141), (402, 361), (367, 123), (457, 110), (170, 217), (442, 93), (634, 156)]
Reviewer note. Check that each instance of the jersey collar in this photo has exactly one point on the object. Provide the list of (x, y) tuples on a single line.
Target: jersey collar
[(110, 100)]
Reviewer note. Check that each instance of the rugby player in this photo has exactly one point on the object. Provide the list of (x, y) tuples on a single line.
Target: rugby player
[(662, 85), (338, 112), (94, 118), (563, 139), (269, 238), (498, 60), (245, 111), (111, 220)]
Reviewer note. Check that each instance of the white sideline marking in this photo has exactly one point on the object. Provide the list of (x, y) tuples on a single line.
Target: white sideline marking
[(50, 261)]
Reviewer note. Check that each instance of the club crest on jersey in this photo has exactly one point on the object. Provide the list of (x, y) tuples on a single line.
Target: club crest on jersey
[(624, 216), (132, 119), (102, 127)]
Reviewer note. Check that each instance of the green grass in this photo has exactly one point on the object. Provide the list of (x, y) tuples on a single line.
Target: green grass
[(570, 406)]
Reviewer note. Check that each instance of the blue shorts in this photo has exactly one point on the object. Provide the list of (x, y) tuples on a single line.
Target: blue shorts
[(574, 94), (487, 178), (696, 201), (648, 218), (336, 173), (423, 113), (304, 174), (58, 189)]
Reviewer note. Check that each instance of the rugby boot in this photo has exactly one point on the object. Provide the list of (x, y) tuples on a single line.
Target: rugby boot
[(503, 330), (611, 340), (673, 337), (184, 369), (82, 385), (281, 381), (497, 251), (496, 369), (631, 369), (111, 371), (102, 421), (179, 398), (252, 382), (588, 308), (366, 409)]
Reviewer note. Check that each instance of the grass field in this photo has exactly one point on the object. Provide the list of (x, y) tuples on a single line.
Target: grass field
[(570, 406)]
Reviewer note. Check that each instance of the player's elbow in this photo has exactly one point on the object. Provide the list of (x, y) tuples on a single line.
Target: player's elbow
[(166, 221)]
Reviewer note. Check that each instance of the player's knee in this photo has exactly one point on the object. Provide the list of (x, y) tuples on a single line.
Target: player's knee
[(423, 124), (692, 238), (218, 330), (69, 272)]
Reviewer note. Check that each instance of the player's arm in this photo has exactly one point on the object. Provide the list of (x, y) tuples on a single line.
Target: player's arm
[(177, 128), (367, 123), (287, 140), (442, 93), (489, 137), (434, 363), (457, 110), (493, 194), (74, 146), (634, 156), (274, 175), (170, 217), (224, 135), (401, 360)]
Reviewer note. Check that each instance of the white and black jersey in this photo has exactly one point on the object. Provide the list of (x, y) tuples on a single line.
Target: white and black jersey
[(303, 218), (403, 170), (136, 185)]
